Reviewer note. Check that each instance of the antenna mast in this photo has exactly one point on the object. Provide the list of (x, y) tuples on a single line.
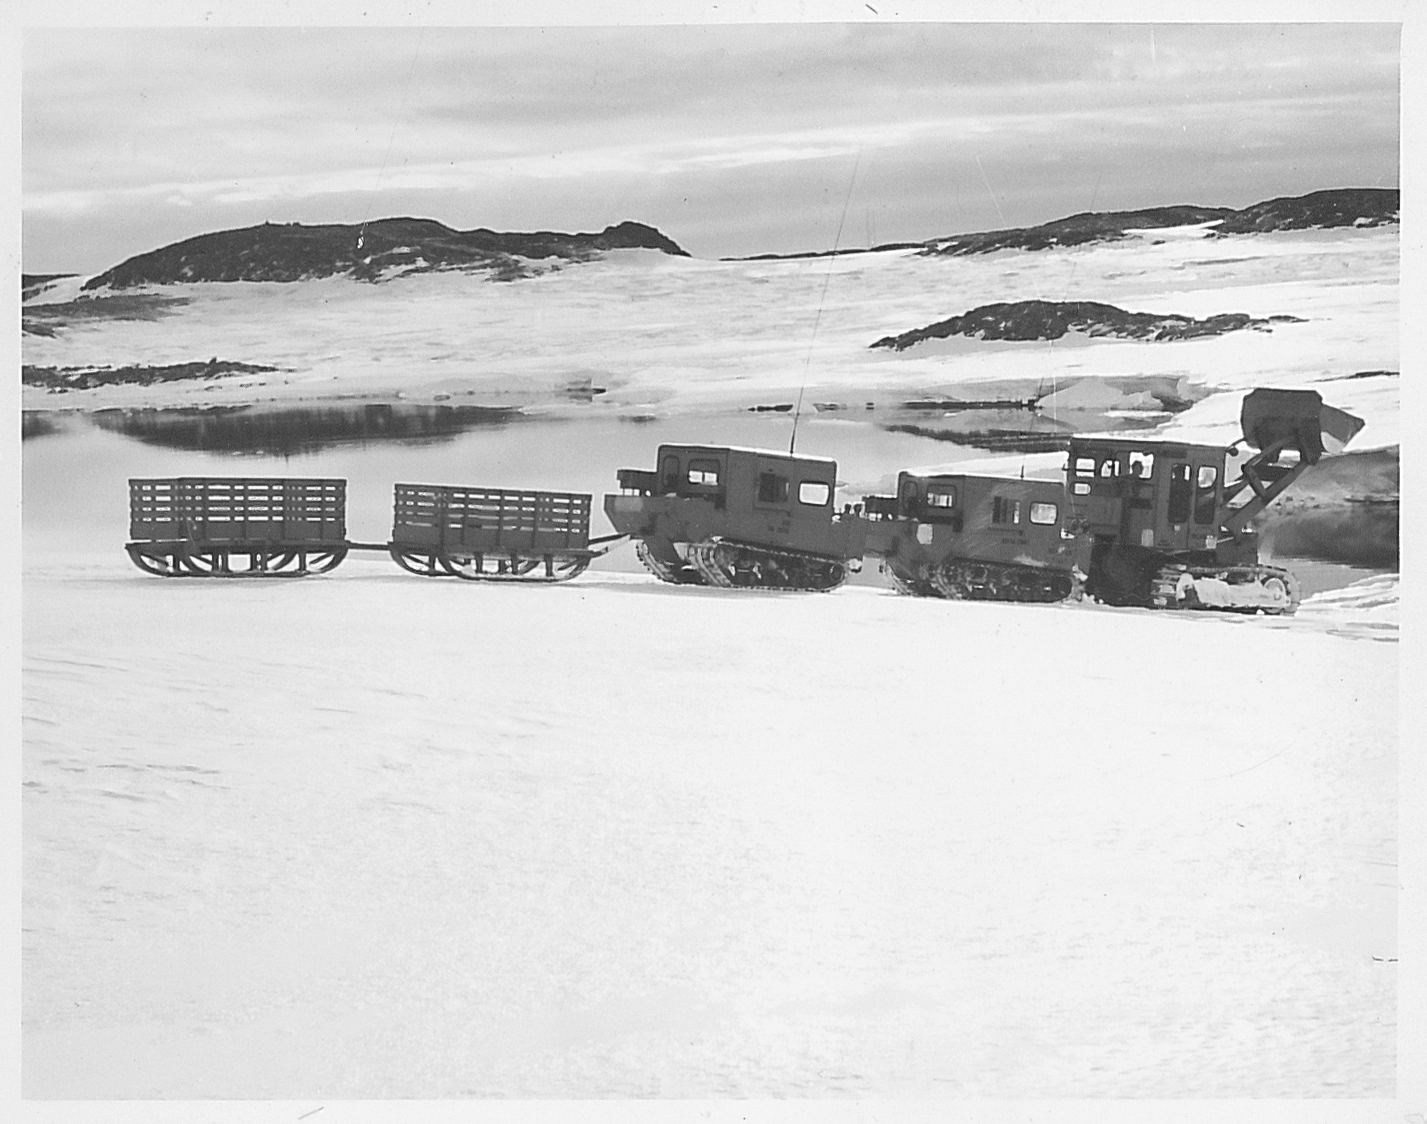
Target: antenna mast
[(837, 241)]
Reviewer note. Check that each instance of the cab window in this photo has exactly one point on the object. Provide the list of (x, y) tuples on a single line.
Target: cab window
[(703, 472), (1044, 513), (1142, 465), (772, 488), (1005, 511), (814, 493), (941, 495), (1204, 488), (1179, 490)]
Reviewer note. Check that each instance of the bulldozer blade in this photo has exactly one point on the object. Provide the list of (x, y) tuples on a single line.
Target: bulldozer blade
[(1299, 419)]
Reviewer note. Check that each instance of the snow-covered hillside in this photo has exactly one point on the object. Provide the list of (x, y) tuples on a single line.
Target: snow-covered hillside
[(663, 334)]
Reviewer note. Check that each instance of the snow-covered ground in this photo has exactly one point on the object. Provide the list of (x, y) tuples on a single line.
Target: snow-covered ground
[(375, 836)]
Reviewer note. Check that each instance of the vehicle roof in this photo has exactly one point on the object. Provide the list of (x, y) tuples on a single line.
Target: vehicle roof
[(1057, 482), (774, 454), (1143, 445)]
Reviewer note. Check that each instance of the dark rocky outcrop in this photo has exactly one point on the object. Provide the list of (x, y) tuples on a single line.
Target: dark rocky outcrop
[(1049, 320), (1076, 230), (369, 252), (47, 319), (1344, 206), (86, 378), (1337, 207)]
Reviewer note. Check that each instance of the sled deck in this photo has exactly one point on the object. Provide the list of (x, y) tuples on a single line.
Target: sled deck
[(237, 527), (491, 534)]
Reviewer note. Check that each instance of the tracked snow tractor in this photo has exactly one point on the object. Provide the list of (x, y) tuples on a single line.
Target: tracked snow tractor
[(982, 538), (737, 518), (1158, 524)]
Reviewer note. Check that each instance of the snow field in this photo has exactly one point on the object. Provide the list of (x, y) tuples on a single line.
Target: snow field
[(373, 836)]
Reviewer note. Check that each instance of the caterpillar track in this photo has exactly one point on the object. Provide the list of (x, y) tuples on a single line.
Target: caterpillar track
[(731, 565), (1236, 589), (726, 565), (992, 581), (955, 580)]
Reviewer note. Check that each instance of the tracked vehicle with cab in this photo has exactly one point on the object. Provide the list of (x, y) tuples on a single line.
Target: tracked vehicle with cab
[(730, 517), (981, 538), (1158, 524)]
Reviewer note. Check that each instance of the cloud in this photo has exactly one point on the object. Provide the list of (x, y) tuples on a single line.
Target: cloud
[(217, 122)]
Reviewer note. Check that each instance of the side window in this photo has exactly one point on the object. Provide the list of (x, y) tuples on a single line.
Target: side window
[(909, 504), (814, 493), (1005, 511), (1204, 489), (669, 474), (941, 495), (1044, 514), (1142, 465), (772, 488), (703, 472), (1179, 490)]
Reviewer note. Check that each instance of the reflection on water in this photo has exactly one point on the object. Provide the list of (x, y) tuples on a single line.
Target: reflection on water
[(264, 429)]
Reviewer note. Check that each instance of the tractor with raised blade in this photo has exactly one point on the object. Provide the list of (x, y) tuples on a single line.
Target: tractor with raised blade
[(737, 518), (978, 538), (1158, 525)]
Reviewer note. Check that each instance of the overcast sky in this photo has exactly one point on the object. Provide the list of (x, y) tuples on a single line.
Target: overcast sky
[(732, 140)]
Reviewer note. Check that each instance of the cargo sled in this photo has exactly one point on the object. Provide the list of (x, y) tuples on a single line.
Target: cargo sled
[(491, 534), (230, 527)]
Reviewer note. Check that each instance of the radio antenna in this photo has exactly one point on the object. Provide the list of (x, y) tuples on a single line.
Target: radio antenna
[(837, 241)]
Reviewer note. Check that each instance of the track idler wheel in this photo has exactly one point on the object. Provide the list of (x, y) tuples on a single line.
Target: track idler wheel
[(673, 570)]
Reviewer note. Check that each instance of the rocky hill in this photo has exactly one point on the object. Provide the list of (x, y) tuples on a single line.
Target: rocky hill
[(369, 252), (1049, 320), (1347, 206), (1089, 226)]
